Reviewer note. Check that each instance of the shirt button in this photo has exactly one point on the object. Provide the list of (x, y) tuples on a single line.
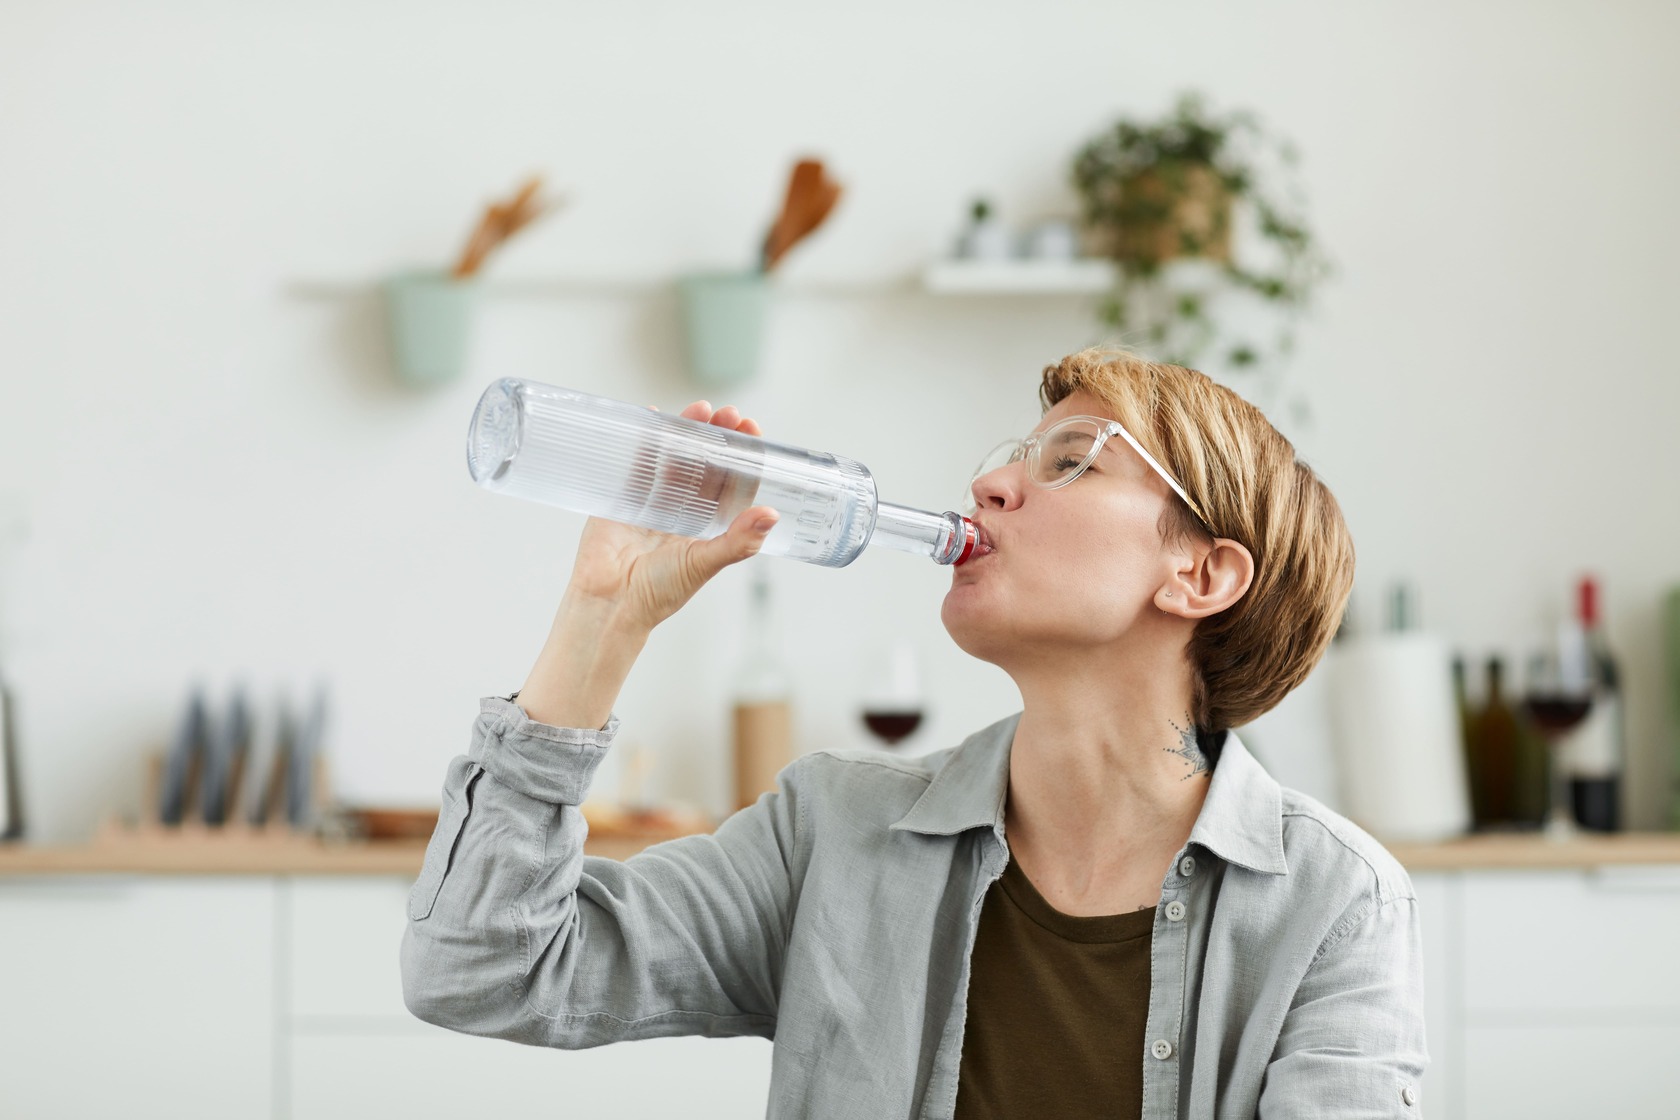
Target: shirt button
[(1408, 1096), (1175, 911), (1187, 866), (1162, 1049)]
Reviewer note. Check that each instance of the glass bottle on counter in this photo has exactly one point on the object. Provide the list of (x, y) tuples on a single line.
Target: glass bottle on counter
[(1531, 795), (11, 792), (1496, 738), (1595, 753), (1467, 736), (763, 715)]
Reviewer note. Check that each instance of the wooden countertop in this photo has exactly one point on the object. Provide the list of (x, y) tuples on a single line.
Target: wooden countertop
[(195, 849), (1528, 850), (287, 855)]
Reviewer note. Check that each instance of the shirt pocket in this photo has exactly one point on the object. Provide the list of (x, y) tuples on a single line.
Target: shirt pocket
[(440, 851)]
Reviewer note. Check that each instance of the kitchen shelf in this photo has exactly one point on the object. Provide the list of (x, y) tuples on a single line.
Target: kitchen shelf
[(943, 278), (1025, 277)]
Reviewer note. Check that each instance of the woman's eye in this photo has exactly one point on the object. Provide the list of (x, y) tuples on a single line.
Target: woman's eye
[(1064, 464)]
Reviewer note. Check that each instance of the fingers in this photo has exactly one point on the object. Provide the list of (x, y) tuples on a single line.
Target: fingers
[(744, 537), (726, 417)]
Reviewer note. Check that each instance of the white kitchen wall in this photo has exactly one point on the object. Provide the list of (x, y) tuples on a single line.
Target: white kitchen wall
[(223, 481)]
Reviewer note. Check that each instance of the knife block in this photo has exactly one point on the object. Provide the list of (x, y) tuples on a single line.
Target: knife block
[(147, 828)]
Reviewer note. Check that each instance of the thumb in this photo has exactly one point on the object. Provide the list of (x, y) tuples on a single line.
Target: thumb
[(744, 537)]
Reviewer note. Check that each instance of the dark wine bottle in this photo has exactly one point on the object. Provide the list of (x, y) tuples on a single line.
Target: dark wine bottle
[(1495, 737), (11, 792), (1595, 753)]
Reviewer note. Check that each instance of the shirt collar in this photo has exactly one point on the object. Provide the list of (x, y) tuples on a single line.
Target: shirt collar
[(1241, 820)]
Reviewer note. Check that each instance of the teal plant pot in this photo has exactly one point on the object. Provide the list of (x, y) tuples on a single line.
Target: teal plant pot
[(430, 319), (723, 318)]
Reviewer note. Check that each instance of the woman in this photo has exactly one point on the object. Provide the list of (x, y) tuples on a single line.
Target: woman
[(1100, 906)]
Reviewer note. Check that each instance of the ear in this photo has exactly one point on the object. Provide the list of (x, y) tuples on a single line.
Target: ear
[(1209, 579)]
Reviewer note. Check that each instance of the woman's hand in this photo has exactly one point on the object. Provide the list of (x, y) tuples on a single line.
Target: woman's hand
[(645, 576)]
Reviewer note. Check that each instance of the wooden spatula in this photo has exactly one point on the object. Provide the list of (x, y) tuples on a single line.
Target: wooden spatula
[(811, 195)]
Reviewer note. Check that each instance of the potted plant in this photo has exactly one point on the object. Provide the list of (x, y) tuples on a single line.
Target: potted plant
[(1160, 194)]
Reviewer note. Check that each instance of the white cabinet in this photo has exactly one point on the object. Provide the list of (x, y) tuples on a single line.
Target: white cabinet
[(1552, 993), (1598, 1068), (431, 1072), (356, 1051), (1552, 944), (1549, 993), (137, 997), (341, 953), (1437, 900)]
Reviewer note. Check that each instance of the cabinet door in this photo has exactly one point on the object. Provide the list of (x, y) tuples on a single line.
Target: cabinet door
[(137, 997), (344, 943), (1557, 943), (355, 1051), (1437, 907), (1552, 1072), (431, 1072)]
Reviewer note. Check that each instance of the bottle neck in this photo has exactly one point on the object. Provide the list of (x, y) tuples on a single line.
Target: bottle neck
[(760, 676), (947, 538)]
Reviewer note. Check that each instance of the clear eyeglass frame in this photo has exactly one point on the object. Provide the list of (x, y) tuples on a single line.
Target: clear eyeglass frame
[(1082, 439)]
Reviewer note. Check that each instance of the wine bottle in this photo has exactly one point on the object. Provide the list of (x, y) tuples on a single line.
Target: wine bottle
[(763, 716), (1595, 753), (1496, 751), (1531, 794), (11, 795)]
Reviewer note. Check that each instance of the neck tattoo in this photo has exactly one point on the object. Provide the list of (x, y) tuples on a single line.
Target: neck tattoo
[(1188, 749)]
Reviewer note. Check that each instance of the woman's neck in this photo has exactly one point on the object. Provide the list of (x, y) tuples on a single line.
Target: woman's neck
[(1104, 771)]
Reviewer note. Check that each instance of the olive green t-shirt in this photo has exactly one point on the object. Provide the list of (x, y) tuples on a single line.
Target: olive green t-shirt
[(1057, 1007)]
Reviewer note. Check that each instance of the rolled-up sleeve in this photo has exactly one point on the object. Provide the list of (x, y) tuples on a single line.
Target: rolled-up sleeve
[(514, 933), (1352, 1043)]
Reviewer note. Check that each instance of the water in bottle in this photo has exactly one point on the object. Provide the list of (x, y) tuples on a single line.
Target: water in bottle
[(627, 463)]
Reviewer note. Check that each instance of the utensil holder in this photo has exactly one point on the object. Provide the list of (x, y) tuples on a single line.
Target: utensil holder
[(429, 315), (723, 319)]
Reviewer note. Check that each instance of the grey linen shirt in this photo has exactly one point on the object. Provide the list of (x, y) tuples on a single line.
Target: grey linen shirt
[(837, 914)]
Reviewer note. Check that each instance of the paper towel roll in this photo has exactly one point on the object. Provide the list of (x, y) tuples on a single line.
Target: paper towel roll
[(1398, 751)]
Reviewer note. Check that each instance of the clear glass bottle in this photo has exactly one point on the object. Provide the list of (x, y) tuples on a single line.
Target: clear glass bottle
[(623, 462), (763, 715)]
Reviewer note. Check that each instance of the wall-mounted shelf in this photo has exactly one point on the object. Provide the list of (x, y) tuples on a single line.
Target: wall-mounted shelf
[(1025, 277), (943, 278)]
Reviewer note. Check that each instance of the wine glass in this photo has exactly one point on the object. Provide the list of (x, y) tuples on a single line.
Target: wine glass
[(1557, 696), (893, 706)]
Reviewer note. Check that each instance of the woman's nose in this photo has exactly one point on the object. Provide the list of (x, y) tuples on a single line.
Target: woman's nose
[(999, 489)]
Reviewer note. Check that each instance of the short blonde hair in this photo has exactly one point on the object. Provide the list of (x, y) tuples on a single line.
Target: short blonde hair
[(1245, 476)]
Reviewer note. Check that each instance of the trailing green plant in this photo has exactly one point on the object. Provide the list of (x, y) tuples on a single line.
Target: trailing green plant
[(1157, 191)]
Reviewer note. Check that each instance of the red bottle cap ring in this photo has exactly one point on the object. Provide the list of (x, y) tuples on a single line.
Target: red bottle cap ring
[(970, 536)]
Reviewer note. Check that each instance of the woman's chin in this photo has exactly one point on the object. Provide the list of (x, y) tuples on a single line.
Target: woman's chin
[(970, 623)]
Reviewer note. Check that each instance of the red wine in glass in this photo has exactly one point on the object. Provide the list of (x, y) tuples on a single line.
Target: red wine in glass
[(891, 726), (1557, 712)]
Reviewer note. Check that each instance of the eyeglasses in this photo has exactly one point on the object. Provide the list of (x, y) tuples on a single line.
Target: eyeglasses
[(1060, 454)]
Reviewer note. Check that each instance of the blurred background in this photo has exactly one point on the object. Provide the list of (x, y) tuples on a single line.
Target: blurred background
[(216, 474)]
